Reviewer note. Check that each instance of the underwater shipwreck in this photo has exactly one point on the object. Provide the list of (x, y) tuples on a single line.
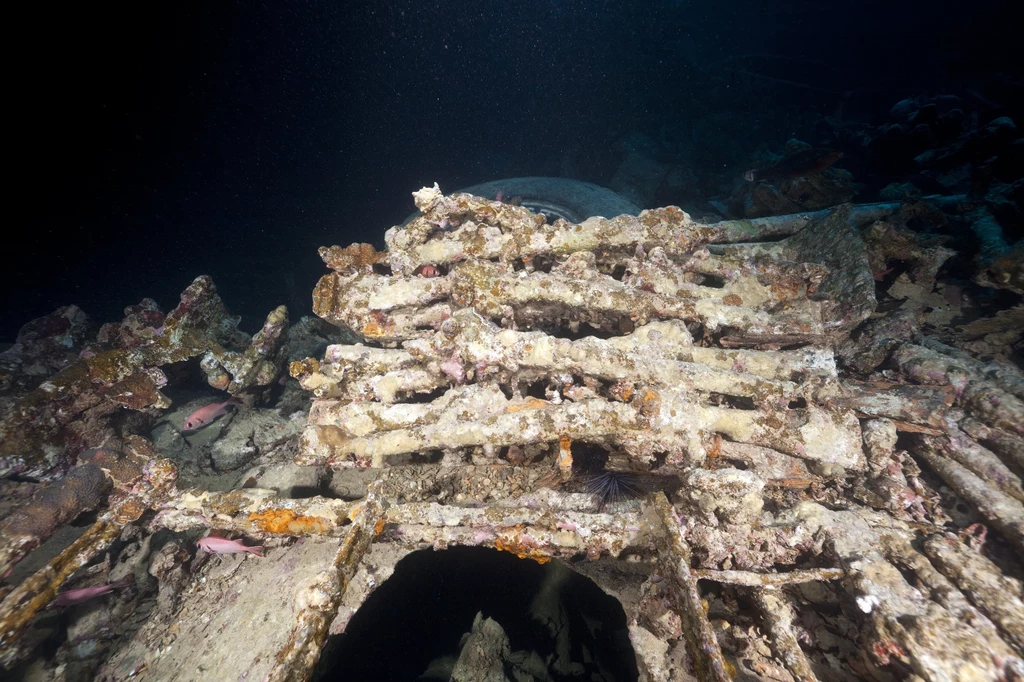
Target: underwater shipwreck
[(760, 437)]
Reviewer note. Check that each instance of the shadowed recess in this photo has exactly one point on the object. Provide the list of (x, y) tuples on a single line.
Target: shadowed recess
[(416, 620)]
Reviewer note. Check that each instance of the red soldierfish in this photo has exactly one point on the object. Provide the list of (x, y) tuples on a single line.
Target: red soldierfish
[(798, 165), (215, 545), (206, 414), (427, 271), (72, 597)]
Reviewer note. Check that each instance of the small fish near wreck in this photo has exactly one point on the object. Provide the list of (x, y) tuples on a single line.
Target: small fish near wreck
[(84, 594), (215, 545), (207, 414), (427, 271), (797, 165)]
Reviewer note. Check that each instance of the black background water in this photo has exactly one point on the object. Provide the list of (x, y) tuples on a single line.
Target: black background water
[(155, 142)]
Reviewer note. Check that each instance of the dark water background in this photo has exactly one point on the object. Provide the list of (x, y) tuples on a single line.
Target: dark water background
[(155, 142)]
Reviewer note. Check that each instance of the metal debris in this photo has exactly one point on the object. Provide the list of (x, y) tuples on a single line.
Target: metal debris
[(693, 355)]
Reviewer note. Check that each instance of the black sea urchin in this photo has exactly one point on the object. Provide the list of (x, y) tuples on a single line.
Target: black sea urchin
[(612, 487)]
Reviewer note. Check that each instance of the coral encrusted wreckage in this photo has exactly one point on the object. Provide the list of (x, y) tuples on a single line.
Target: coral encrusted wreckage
[(806, 483)]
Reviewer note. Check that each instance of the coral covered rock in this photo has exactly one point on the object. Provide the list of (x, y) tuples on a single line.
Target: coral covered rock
[(73, 409), (43, 346)]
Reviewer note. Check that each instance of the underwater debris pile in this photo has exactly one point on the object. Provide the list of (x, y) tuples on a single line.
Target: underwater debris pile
[(605, 275), (73, 432), (796, 509), (43, 346), (965, 152), (77, 408), (682, 357)]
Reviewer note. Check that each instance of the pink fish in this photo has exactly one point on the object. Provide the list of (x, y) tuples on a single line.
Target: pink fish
[(215, 545), (427, 271), (72, 597), (206, 414)]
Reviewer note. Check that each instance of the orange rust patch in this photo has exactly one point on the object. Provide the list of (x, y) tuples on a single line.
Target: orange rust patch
[(565, 457), (281, 521), (623, 392), (732, 299), (376, 328), (524, 549), (531, 404), (650, 403), (715, 449)]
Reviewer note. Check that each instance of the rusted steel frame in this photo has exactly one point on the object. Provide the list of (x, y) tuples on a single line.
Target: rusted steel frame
[(319, 602), (979, 460), (707, 656), (255, 511), (1007, 445), (998, 596), (757, 229), (919, 405), (528, 533), (20, 606), (778, 617), (752, 579), (1005, 513)]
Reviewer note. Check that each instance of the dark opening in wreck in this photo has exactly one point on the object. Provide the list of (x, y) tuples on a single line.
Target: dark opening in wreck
[(553, 624)]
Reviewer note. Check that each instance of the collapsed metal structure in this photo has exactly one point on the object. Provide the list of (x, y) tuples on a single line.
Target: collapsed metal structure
[(505, 355)]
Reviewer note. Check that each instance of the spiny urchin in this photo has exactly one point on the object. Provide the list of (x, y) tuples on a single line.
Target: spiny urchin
[(613, 487)]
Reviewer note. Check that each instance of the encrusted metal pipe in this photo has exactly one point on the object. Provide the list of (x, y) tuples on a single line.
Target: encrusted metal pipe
[(700, 636)]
